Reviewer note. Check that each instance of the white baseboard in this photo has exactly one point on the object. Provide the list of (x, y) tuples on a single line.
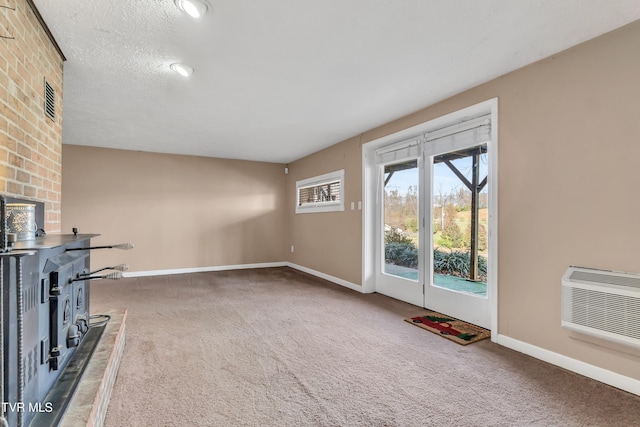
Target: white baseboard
[(316, 273), (203, 269), (599, 374), (328, 277)]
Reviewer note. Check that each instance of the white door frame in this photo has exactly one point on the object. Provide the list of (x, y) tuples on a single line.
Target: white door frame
[(369, 194)]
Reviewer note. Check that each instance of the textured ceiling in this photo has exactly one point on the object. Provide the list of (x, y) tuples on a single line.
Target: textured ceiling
[(276, 80)]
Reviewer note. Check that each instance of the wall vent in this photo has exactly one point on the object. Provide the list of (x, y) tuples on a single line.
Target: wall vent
[(602, 303), (49, 100)]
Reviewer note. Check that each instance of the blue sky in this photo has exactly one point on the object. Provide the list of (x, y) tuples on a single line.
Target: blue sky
[(445, 179)]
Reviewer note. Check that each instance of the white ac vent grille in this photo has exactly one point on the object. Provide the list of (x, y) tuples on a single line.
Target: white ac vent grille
[(609, 279), (49, 100), (605, 304)]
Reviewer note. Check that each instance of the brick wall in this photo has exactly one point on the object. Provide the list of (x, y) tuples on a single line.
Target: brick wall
[(30, 142)]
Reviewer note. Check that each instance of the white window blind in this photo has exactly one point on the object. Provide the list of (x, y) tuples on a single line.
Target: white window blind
[(405, 150), (457, 136), (329, 192), (461, 135), (322, 193)]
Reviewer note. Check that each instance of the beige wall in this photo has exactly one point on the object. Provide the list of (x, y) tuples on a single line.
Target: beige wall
[(178, 211), (30, 142), (329, 242), (569, 144)]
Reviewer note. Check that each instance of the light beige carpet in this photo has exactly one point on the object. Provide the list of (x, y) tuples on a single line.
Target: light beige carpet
[(275, 347)]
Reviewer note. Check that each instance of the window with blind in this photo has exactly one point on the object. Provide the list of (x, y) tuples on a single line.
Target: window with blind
[(324, 193)]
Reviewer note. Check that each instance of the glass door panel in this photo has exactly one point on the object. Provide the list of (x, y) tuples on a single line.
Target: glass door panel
[(400, 257), (457, 284), (459, 207), (400, 214)]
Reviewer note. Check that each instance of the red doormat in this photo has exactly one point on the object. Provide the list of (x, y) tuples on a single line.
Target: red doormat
[(456, 330)]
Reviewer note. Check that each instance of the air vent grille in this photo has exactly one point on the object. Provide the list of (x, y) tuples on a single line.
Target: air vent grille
[(605, 278), (605, 304), (49, 100)]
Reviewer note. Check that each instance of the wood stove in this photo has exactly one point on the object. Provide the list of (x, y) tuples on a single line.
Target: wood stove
[(47, 336)]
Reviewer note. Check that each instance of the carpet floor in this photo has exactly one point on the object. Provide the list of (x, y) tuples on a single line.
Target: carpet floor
[(276, 347)]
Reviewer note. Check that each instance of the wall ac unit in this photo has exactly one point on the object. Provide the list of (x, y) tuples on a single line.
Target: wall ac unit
[(602, 303)]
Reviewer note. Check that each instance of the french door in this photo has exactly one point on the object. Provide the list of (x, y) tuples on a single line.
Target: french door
[(433, 226), (400, 252)]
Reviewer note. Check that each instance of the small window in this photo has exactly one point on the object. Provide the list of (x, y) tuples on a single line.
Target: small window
[(324, 193)]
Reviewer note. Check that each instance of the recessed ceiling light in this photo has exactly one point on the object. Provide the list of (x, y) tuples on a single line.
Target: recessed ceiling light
[(194, 8), (183, 69)]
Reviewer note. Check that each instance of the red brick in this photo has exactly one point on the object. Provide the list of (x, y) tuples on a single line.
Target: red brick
[(16, 132), (14, 188), (8, 112), (4, 64), (23, 176), (30, 191), (9, 142), (4, 77), (7, 171), (24, 151), (36, 181), (16, 160), (37, 157), (31, 166)]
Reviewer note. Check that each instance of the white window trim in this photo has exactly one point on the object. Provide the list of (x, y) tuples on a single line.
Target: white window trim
[(331, 206)]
